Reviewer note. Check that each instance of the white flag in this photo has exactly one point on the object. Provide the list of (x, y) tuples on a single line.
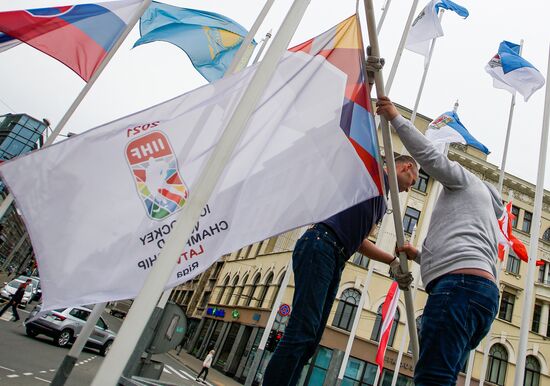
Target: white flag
[(424, 28), (100, 206)]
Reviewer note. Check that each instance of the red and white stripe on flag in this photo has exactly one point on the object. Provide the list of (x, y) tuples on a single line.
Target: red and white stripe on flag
[(388, 313)]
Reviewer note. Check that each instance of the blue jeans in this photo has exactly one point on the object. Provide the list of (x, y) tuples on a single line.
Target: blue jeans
[(318, 261), (458, 314)]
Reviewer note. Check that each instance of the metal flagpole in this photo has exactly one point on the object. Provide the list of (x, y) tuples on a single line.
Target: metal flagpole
[(9, 198), (264, 43), (356, 319), (401, 47), (250, 35), (388, 149), (534, 240), (66, 367), (269, 325), (383, 16), (424, 75), (144, 303)]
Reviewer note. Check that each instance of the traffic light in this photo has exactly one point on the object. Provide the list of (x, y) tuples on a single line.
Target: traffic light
[(270, 344), (278, 337)]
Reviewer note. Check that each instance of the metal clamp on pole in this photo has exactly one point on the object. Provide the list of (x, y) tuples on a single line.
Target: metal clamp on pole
[(394, 193)]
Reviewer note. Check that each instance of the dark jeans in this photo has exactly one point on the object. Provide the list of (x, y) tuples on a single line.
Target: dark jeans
[(317, 261), (205, 371), (13, 306), (458, 314)]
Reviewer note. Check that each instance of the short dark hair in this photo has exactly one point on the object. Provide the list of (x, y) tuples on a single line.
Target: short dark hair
[(403, 158)]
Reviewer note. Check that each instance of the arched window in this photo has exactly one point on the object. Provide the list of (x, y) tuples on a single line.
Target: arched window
[(265, 288), (239, 290), (276, 292), (347, 307), (378, 325), (546, 235), (498, 362), (222, 290), (231, 289), (252, 290), (532, 371)]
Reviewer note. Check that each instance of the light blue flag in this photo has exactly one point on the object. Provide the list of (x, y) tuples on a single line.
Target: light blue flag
[(447, 128), (209, 39)]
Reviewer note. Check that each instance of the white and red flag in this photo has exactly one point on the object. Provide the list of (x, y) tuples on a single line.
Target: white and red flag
[(100, 206), (388, 313)]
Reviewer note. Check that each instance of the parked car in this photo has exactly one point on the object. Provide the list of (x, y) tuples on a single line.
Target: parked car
[(36, 289), (10, 288), (64, 325), (120, 308)]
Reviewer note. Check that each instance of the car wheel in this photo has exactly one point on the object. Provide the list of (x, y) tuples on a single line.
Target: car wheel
[(105, 349), (31, 332), (64, 338)]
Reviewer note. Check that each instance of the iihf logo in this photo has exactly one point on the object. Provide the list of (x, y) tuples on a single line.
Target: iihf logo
[(156, 175)]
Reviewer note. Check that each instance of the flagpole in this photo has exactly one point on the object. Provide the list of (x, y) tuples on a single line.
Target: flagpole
[(424, 75), (383, 16), (508, 130), (111, 368), (264, 43), (401, 46), (250, 35), (394, 193), (68, 114), (356, 319), (269, 325), (534, 240)]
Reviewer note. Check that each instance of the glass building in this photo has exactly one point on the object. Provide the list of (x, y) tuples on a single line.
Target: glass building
[(19, 134)]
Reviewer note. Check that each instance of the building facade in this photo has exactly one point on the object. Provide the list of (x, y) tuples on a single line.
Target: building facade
[(19, 134), (238, 295)]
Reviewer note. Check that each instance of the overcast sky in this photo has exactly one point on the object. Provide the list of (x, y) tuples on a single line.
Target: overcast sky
[(33, 83)]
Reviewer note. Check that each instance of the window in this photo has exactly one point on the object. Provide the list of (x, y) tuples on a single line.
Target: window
[(361, 260), (231, 289), (101, 324), (543, 272), (216, 271), (359, 373), (222, 290), (79, 314), (532, 371), (378, 325), (546, 235), (527, 218), (204, 300), (347, 307), (506, 306), (252, 290), (498, 362), (512, 264), (318, 366), (515, 212), (422, 181), (535, 325), (265, 288), (239, 291), (402, 380), (411, 218), (276, 292)]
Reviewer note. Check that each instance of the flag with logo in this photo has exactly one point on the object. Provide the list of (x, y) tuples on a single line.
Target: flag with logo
[(388, 313), (447, 128), (79, 36), (513, 73), (426, 26), (7, 42), (108, 199), (507, 238), (210, 40)]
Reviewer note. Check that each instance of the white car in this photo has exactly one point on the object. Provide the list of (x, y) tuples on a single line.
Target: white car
[(11, 287)]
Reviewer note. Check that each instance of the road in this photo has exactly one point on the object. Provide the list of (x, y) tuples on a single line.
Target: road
[(26, 361)]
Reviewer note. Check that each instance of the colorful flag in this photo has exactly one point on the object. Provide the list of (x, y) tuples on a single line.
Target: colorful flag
[(210, 40), (79, 36), (388, 313), (7, 42), (508, 239), (447, 128), (427, 26), (513, 73), (109, 198)]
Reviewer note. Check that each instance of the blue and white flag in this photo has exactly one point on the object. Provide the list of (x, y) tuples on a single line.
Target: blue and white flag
[(447, 128), (210, 40), (427, 26), (7, 42), (513, 73)]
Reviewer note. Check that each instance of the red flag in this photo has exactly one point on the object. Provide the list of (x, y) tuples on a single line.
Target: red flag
[(388, 313)]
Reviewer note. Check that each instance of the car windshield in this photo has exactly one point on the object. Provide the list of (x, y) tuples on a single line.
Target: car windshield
[(14, 283)]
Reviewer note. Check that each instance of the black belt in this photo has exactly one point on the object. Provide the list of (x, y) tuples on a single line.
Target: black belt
[(325, 228)]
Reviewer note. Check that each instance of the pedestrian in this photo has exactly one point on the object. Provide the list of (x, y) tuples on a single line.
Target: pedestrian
[(457, 260), (15, 300), (318, 260), (206, 365)]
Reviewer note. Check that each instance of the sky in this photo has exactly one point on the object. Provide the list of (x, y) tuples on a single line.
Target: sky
[(33, 83)]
